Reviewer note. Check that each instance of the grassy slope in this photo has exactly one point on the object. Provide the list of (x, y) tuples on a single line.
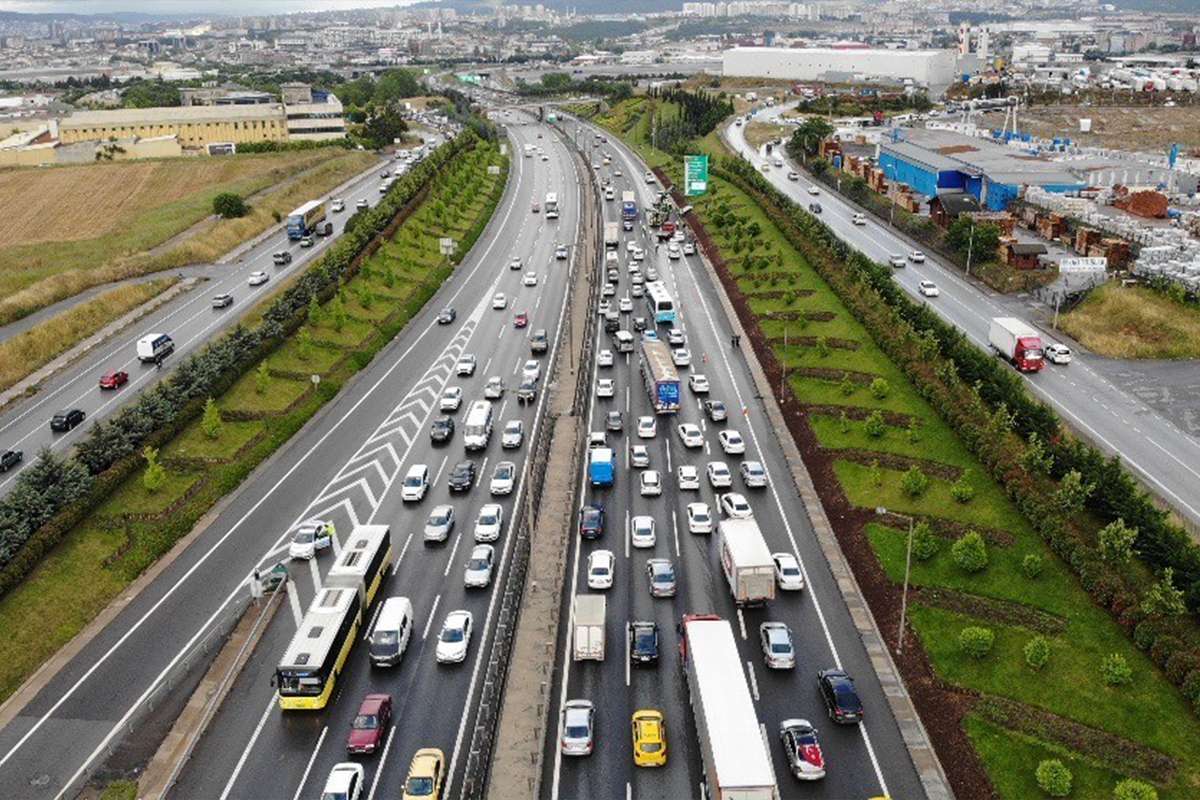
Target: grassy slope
[(1135, 323)]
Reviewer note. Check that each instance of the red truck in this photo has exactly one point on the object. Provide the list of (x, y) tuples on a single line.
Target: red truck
[(1017, 343)]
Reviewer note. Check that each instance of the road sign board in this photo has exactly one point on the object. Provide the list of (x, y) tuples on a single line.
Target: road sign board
[(695, 175)]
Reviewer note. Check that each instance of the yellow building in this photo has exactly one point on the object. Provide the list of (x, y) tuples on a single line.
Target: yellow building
[(195, 126)]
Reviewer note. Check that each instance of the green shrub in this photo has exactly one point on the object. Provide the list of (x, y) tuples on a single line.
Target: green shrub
[(1053, 777), (1162, 598), (1037, 652), (262, 378), (844, 423), (976, 642), (1130, 789), (229, 205), (925, 542), (155, 475), (914, 431), (876, 474), (914, 482), (822, 347), (210, 423), (880, 388), (1191, 686), (1032, 565), (961, 490), (1115, 670), (874, 426), (1116, 542), (315, 313), (847, 387), (970, 552)]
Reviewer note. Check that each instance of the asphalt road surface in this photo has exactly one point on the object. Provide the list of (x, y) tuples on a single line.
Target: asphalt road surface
[(1086, 393), (190, 320), (341, 467), (862, 761)]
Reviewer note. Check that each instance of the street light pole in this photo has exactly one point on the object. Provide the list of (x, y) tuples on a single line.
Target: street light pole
[(970, 248), (882, 511)]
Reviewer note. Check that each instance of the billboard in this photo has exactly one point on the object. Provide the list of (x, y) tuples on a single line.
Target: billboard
[(695, 175)]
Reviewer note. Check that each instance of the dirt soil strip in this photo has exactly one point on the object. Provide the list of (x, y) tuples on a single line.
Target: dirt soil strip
[(789, 415)]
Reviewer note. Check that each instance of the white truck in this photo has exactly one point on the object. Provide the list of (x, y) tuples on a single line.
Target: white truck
[(587, 618), (733, 752), (746, 562), (612, 236), (154, 347)]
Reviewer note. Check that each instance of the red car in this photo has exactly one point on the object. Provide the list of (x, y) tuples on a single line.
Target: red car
[(369, 729), (114, 379), (520, 320)]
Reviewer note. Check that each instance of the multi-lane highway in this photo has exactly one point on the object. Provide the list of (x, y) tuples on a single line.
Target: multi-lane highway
[(1164, 457), (862, 761), (190, 320), (343, 467)]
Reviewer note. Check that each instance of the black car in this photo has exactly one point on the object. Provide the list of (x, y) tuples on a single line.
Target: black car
[(639, 324), (10, 459), (716, 410), (66, 420), (442, 429), (643, 643), (814, 208), (462, 477), (222, 300), (612, 322), (527, 391), (447, 316), (591, 521), (841, 699)]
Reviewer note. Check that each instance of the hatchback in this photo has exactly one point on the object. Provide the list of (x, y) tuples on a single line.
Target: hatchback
[(605, 387), (451, 398), (715, 410), (466, 365), (114, 379), (649, 738), (639, 456), (311, 536), (370, 724)]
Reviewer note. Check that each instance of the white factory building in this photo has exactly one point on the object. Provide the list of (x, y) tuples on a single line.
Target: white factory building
[(931, 68)]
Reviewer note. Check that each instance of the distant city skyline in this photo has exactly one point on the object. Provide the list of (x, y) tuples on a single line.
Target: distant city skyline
[(185, 7)]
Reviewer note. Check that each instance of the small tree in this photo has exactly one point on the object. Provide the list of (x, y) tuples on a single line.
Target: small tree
[(874, 425), (365, 298), (1053, 777), (304, 344), (925, 541), (1036, 457), (914, 482), (1115, 670), (914, 430), (262, 378), (970, 552), (822, 347), (229, 205), (976, 642), (875, 474), (338, 316), (844, 423), (1116, 542), (1031, 565), (210, 423), (847, 386), (155, 475), (962, 490), (1162, 598), (1130, 789), (880, 388), (1071, 494), (389, 276), (316, 314), (1037, 652)]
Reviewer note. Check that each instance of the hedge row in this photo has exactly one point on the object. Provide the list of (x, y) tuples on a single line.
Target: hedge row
[(977, 396), (54, 494)]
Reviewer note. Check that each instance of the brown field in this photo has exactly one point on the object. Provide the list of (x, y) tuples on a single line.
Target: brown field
[(759, 133), (1135, 323), (1147, 129)]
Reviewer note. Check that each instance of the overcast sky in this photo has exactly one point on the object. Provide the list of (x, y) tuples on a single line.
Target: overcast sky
[(190, 6)]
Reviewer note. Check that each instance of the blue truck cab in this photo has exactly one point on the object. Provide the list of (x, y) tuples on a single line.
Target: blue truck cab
[(602, 466)]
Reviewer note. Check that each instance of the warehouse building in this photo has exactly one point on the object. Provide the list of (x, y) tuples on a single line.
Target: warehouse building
[(934, 69), (195, 126)]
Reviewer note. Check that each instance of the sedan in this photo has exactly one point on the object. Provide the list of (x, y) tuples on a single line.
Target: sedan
[(370, 725), (625, 305), (489, 523), (600, 569), (801, 749), (446, 316), (478, 572), (439, 524), (515, 263), (719, 475), (777, 649), (639, 456), (465, 366), (787, 572), (716, 410), (66, 420), (259, 278), (753, 475), (840, 697), (897, 261), (503, 477), (345, 780), (673, 251), (734, 506), (699, 518), (681, 357), (814, 191), (578, 728), (462, 477), (1058, 354), (928, 289), (361, 204), (859, 218), (455, 638), (613, 421), (643, 643), (10, 458), (698, 383), (642, 532), (499, 301), (650, 483), (690, 435), (675, 337), (560, 252), (311, 536), (605, 387), (688, 477), (442, 430), (451, 398), (731, 442), (661, 574), (223, 300), (647, 427), (604, 358), (514, 434), (531, 370), (529, 279), (591, 521), (917, 257), (521, 320), (494, 388), (114, 379)]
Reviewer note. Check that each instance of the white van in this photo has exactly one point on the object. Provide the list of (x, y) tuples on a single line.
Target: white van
[(389, 638), (416, 483), (154, 346), (477, 430), (623, 341)]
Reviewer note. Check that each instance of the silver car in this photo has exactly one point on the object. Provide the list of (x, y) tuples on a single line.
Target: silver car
[(578, 728), (776, 640), (439, 524), (661, 573), (454, 640), (479, 567), (514, 434)]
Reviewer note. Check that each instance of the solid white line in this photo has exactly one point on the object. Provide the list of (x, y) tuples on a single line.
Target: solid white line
[(311, 759), (262, 720), (753, 680), (294, 602), (315, 573), (627, 534), (741, 622), (482, 469), (432, 613), (374, 618), (438, 477), (403, 550), (627, 646), (675, 530), (453, 550), (382, 761)]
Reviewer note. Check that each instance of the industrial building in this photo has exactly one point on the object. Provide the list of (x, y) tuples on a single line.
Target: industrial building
[(934, 69)]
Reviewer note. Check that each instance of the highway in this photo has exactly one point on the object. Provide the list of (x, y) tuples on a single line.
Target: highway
[(341, 467), (189, 319), (862, 761), (1084, 393)]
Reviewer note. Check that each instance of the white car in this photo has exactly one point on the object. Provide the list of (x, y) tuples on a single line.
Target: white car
[(439, 523), (478, 572), (928, 289), (600, 569), (787, 572), (673, 251), (455, 637), (690, 435), (531, 370), (897, 261), (503, 477), (699, 518), (649, 176), (698, 383), (681, 357), (604, 358), (1058, 354), (917, 257), (753, 474), (513, 435), (489, 523), (734, 506), (609, 290), (719, 475), (731, 442), (641, 532), (338, 205), (639, 456), (859, 218), (625, 305), (345, 782), (650, 483), (675, 337), (605, 306), (530, 279), (605, 387), (465, 365), (259, 278), (416, 483), (647, 427), (793, 176), (689, 477), (494, 388), (499, 301), (515, 263), (689, 248), (678, 236), (311, 536), (814, 191), (451, 398), (638, 254), (630, 246)]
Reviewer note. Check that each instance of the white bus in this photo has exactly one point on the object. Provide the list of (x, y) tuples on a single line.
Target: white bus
[(551, 205), (659, 303), (478, 428)]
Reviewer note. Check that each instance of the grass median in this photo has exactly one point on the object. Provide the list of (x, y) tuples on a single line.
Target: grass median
[(97, 560)]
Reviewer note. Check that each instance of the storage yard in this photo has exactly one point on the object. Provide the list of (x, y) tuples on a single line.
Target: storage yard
[(1112, 126)]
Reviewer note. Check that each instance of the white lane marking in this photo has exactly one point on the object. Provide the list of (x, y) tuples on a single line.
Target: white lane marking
[(753, 680), (311, 759), (262, 720), (741, 623), (627, 533), (374, 618), (453, 550), (487, 366), (432, 614), (438, 477), (627, 646), (482, 469), (382, 761), (315, 573), (403, 550), (675, 530)]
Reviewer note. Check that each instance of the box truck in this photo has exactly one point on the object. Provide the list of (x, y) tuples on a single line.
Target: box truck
[(1017, 343), (602, 467), (612, 236), (628, 206), (746, 562), (587, 631), (154, 347), (659, 376)]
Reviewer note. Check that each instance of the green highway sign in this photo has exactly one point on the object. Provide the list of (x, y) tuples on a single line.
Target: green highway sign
[(695, 175)]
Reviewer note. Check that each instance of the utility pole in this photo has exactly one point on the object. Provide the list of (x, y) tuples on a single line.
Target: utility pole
[(882, 511), (970, 247)]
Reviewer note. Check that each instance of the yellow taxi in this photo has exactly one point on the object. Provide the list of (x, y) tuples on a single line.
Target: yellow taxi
[(649, 738), (425, 775)]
